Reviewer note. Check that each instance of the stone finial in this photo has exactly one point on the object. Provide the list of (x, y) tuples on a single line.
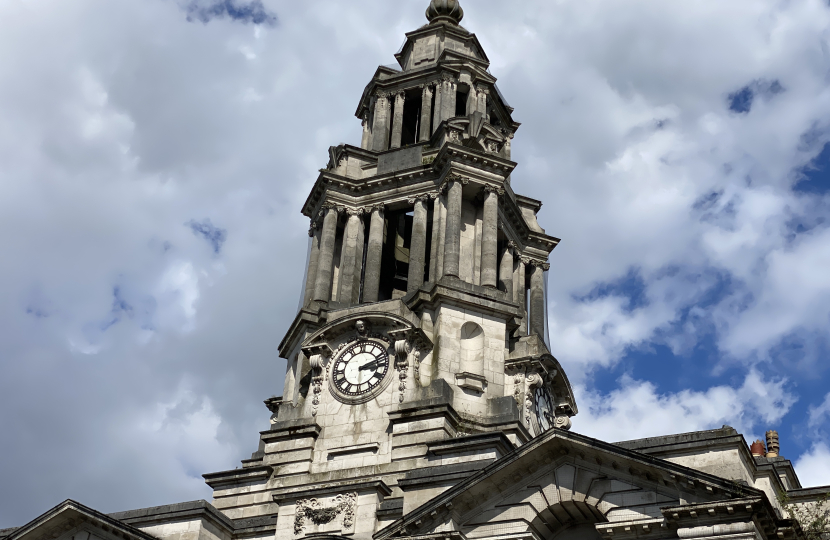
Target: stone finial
[(773, 446), (757, 449), (445, 10)]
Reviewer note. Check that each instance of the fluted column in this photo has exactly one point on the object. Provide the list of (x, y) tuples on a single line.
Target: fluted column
[(452, 241), (350, 265), (506, 271), (435, 242), (371, 280), (322, 285), (490, 238), (397, 120), (380, 125), (418, 246), (366, 140), (426, 113), (537, 299), (313, 258)]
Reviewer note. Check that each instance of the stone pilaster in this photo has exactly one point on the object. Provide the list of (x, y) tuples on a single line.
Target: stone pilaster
[(481, 99), (371, 281), (490, 238), (350, 263), (506, 270), (452, 241), (537, 299), (426, 113), (322, 285), (418, 245), (313, 258), (436, 113), (397, 120), (380, 126)]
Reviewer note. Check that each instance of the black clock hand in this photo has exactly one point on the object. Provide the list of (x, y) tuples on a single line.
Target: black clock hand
[(371, 365)]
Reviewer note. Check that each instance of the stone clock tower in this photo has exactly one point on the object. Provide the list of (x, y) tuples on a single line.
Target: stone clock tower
[(419, 355), (422, 401)]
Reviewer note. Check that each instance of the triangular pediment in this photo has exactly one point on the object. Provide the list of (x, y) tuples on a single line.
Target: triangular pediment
[(563, 480), (71, 520)]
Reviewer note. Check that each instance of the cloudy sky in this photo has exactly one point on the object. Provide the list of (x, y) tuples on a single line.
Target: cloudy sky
[(154, 155)]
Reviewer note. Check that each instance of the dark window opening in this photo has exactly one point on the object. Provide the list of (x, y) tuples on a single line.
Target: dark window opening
[(394, 268), (461, 97), (411, 119)]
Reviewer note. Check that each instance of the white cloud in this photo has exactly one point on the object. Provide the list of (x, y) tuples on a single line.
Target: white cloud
[(813, 468), (819, 414), (637, 409)]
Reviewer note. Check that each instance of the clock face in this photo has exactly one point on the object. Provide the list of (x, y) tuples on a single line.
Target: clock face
[(544, 408), (360, 369)]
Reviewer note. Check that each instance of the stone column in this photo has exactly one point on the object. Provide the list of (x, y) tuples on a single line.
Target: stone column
[(481, 98), (448, 100), (537, 299), (426, 113), (366, 140), (322, 285), (397, 120), (313, 257), (452, 240), (350, 265), (490, 238), (436, 112), (380, 125), (371, 281), (418, 246), (506, 270), (520, 289), (435, 243)]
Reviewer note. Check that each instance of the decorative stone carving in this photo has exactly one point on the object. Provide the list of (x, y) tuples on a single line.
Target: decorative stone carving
[(361, 328), (314, 511), (493, 189), (317, 362), (402, 350), (534, 380), (562, 422)]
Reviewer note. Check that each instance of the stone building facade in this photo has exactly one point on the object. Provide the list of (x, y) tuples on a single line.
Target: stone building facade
[(421, 399)]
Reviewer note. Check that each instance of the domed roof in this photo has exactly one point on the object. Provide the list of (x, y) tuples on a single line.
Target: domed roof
[(445, 10)]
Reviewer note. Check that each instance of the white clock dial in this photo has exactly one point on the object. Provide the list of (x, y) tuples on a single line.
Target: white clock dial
[(360, 368), (544, 408)]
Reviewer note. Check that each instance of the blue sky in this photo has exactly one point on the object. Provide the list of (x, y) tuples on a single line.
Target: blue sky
[(154, 156)]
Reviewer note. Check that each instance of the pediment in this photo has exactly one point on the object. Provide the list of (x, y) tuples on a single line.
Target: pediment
[(71, 520), (563, 480), (388, 326)]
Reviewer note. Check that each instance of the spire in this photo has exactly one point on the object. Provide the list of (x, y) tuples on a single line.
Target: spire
[(445, 10)]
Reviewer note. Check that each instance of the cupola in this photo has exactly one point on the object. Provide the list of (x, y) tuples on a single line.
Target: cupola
[(445, 11)]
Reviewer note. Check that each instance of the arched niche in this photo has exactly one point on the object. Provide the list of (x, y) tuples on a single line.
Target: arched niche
[(472, 348)]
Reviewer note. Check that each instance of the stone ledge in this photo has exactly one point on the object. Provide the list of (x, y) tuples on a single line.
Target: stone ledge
[(390, 508), (175, 512), (292, 494), (496, 440), (442, 474), (237, 476), (290, 429)]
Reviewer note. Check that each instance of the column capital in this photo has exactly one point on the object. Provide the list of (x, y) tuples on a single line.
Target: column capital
[(400, 94), (355, 211), (493, 189), (538, 264), (379, 208), (482, 89), (422, 198), (434, 195), (512, 245)]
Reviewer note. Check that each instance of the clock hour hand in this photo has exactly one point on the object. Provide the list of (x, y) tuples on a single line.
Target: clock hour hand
[(371, 365)]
